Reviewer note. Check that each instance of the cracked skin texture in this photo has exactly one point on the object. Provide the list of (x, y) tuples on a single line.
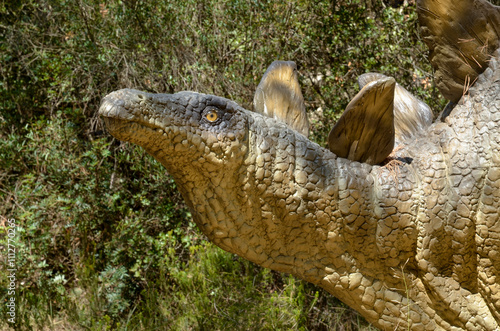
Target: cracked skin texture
[(417, 244)]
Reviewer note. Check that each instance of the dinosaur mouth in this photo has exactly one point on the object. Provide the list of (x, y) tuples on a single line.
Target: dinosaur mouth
[(128, 128), (118, 121)]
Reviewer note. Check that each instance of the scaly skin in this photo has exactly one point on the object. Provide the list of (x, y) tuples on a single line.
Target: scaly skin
[(416, 243)]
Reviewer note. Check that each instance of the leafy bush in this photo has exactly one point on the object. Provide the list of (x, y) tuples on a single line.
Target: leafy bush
[(104, 239)]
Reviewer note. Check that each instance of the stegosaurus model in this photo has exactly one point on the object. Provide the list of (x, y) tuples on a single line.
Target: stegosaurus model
[(416, 247)]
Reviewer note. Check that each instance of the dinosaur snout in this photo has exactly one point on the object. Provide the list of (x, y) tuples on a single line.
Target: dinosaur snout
[(121, 104)]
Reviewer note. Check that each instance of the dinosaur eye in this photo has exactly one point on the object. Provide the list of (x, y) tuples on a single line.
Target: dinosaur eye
[(211, 115)]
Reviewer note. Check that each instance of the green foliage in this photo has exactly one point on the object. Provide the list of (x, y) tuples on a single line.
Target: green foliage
[(104, 240)]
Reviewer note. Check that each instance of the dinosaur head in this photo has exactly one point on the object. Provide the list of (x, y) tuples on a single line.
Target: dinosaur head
[(183, 131)]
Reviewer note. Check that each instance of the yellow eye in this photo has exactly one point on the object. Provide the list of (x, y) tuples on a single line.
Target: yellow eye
[(211, 116)]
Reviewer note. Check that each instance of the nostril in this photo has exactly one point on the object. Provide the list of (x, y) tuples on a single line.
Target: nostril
[(141, 96)]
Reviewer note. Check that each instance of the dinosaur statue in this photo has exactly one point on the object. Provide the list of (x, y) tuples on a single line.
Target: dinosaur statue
[(278, 96), (419, 245), (416, 246)]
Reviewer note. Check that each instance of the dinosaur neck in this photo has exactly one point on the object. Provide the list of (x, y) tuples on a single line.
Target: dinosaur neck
[(291, 206)]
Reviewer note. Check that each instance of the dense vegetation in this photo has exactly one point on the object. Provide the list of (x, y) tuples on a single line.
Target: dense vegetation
[(103, 238)]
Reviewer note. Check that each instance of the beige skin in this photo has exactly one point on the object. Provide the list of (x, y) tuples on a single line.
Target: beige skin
[(416, 246), (278, 96)]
